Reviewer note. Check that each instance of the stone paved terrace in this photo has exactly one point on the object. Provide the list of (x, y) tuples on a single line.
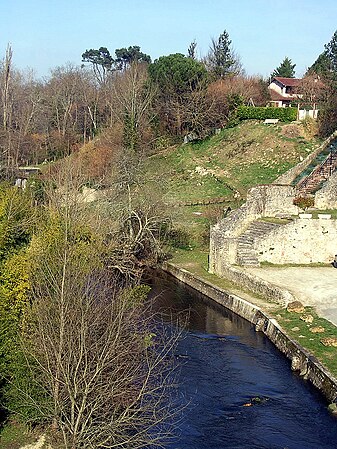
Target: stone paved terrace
[(313, 286)]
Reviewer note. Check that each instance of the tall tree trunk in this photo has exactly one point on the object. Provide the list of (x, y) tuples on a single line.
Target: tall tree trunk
[(6, 86)]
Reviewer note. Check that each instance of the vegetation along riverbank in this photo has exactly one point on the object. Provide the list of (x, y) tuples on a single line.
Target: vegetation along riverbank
[(123, 164)]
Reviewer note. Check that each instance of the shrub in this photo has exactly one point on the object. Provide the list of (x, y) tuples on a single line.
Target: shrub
[(179, 238), (304, 202), (261, 113), (310, 127)]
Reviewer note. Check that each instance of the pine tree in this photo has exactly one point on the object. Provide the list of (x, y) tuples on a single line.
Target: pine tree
[(326, 63), (331, 53), (221, 59), (286, 69), (321, 66), (191, 50)]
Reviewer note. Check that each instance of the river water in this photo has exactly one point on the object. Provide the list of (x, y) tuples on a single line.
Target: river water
[(225, 364)]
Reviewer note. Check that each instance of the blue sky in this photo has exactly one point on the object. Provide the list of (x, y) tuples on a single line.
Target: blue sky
[(45, 34)]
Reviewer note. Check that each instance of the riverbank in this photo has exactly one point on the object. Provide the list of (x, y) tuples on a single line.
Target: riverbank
[(312, 359), (315, 287)]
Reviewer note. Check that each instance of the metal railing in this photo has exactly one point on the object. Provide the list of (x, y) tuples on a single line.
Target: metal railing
[(323, 171)]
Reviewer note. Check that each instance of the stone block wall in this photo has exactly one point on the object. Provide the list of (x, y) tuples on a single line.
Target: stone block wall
[(272, 200), (262, 201), (303, 241), (326, 197)]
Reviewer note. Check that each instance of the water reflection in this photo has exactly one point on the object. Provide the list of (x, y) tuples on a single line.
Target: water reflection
[(226, 365)]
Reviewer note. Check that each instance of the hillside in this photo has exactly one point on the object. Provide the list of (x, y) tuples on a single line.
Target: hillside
[(222, 168)]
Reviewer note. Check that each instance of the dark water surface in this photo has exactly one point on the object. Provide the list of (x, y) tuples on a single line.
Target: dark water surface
[(225, 364)]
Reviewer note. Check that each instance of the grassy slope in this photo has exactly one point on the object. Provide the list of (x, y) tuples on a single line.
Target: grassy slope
[(225, 165), (249, 154), (242, 157)]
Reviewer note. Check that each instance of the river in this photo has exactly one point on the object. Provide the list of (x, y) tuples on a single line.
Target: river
[(238, 388)]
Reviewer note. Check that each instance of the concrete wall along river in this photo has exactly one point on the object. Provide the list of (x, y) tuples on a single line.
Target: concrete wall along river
[(301, 361)]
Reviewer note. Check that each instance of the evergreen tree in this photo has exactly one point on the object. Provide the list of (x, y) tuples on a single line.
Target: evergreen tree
[(331, 53), (101, 60), (126, 56), (177, 74), (191, 50), (220, 58), (321, 66), (326, 67), (286, 69)]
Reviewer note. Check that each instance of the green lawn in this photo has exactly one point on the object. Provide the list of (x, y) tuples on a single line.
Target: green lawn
[(223, 166), (235, 159), (309, 340)]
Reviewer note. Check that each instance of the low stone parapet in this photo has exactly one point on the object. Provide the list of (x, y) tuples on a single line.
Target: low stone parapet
[(257, 285)]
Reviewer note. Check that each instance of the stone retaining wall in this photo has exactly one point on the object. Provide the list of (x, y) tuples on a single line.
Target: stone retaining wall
[(257, 285), (301, 361), (326, 197), (303, 241), (262, 201)]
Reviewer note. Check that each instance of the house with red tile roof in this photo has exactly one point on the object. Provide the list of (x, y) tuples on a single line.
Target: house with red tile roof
[(283, 91)]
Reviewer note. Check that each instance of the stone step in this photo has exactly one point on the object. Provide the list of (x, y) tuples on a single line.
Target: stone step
[(245, 248), (246, 261), (245, 251), (246, 240), (321, 173), (262, 225), (257, 233), (247, 256)]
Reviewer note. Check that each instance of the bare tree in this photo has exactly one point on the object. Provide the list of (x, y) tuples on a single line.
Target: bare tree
[(230, 92), (107, 373), (143, 220), (313, 91), (6, 103), (133, 100)]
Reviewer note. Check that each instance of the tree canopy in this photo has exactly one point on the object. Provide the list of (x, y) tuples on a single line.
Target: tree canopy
[(331, 52), (326, 63), (177, 73), (325, 67), (321, 66), (286, 69), (221, 59), (101, 60), (126, 56)]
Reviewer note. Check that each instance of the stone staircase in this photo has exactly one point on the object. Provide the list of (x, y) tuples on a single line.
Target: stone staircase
[(246, 254), (321, 173)]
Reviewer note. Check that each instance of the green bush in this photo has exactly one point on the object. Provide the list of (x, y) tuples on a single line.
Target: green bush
[(261, 113), (178, 238)]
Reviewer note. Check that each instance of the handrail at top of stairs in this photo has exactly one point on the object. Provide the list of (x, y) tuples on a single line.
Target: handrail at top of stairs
[(318, 169)]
